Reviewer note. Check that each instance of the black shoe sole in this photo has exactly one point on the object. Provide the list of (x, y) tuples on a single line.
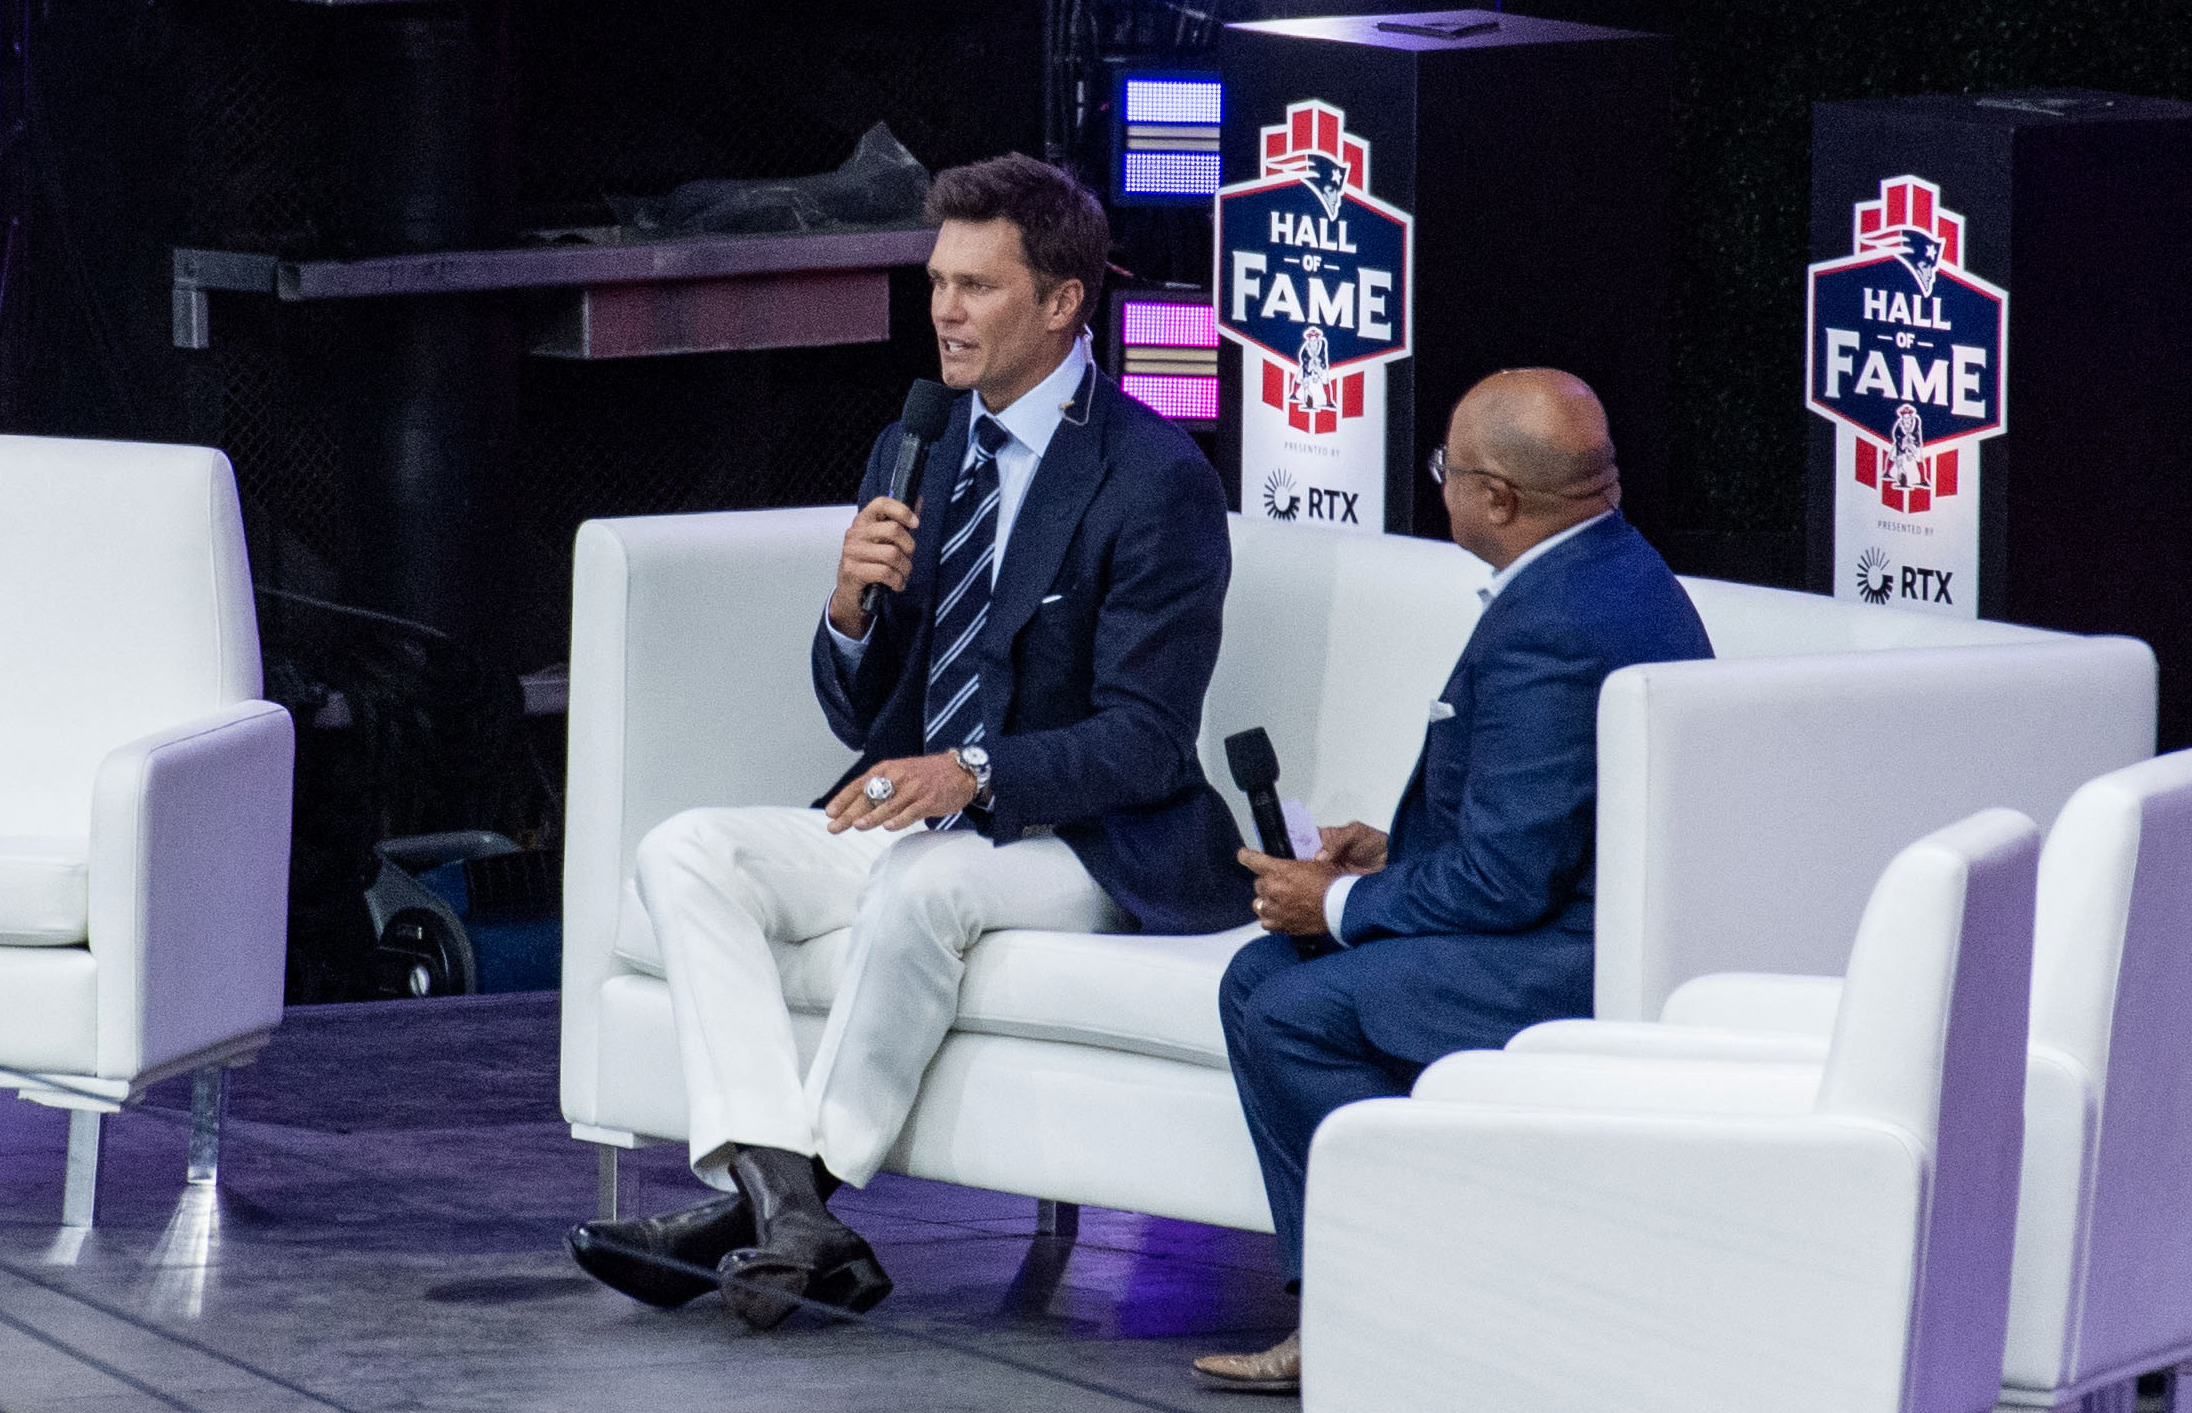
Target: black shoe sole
[(750, 1289), (629, 1274), (859, 1286), (756, 1285)]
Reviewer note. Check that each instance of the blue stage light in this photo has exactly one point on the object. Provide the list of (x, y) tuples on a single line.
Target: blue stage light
[(1171, 173), (1166, 132), (1174, 101)]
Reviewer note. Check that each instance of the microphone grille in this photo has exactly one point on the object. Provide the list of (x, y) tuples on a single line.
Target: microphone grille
[(928, 409), (1254, 764)]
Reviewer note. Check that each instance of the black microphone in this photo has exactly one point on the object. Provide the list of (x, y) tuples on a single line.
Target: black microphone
[(1255, 768), (927, 413)]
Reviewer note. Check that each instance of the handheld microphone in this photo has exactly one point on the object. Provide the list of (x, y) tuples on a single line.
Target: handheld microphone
[(927, 413), (1255, 768)]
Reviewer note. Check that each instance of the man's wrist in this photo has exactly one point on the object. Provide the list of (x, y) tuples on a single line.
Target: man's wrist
[(1335, 904), (845, 648), (975, 762), (853, 626)]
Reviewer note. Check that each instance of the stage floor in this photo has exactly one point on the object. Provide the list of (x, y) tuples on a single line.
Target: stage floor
[(387, 1235)]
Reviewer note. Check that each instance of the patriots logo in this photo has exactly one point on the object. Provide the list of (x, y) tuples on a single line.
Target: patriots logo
[(1327, 177), (1920, 254)]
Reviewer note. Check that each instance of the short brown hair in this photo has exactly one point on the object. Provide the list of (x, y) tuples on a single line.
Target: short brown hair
[(1063, 230)]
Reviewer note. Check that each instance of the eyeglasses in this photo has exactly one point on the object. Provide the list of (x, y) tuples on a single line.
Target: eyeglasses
[(1436, 465)]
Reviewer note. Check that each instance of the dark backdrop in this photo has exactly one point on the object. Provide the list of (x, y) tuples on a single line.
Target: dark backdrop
[(212, 120), (238, 124), (153, 123), (1747, 73)]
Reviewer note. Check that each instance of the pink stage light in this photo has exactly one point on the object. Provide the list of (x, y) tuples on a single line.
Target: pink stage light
[(1188, 399), (1146, 323)]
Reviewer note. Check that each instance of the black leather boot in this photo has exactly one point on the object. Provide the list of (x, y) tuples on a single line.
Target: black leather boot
[(696, 1236), (799, 1248)]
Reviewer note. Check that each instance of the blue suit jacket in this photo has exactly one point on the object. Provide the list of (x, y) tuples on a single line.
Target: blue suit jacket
[(1101, 639), (1491, 849)]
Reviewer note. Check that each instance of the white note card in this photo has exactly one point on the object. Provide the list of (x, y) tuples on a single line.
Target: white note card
[(1301, 829)]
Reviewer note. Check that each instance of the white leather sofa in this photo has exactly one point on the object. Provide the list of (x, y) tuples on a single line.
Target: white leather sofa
[(144, 790), (2104, 1217), (1762, 794), (1577, 1232)]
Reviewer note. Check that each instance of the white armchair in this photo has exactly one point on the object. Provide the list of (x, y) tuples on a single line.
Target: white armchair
[(1746, 805), (1592, 1231), (144, 792), (2094, 1300)]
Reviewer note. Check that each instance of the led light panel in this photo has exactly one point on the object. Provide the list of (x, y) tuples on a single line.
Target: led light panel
[(1175, 101), (1170, 174), (1144, 321), (1167, 127), (1183, 398)]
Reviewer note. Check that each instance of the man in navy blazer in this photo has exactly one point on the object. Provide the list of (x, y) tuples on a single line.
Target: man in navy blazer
[(1028, 685), (1473, 918), (1097, 651)]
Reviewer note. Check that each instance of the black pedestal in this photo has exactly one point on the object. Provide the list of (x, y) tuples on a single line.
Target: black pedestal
[(2078, 206), (432, 381), (1535, 160)]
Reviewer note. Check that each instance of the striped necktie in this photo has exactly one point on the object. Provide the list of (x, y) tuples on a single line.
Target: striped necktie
[(954, 702)]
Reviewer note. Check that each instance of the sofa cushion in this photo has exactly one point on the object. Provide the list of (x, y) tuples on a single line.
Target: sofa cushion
[(1145, 995), (45, 891), (1149, 995), (49, 1010)]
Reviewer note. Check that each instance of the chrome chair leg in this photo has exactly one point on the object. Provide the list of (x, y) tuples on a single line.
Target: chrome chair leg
[(1058, 1219), (80, 1190), (208, 1107)]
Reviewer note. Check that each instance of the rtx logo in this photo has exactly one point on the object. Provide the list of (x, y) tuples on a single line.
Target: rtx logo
[(1335, 506), (1926, 585), (1878, 581)]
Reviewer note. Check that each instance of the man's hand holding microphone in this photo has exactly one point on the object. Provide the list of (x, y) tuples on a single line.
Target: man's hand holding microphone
[(877, 556), (878, 552), (1290, 891)]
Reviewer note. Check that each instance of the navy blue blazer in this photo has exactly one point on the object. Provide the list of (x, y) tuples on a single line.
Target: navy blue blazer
[(1101, 639), (1494, 836)]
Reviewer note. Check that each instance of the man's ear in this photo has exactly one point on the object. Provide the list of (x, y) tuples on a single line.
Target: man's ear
[(1502, 504), (1064, 305)]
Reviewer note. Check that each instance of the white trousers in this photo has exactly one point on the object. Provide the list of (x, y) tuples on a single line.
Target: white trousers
[(719, 885)]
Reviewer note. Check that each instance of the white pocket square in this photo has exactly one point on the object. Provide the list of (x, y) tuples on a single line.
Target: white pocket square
[(1441, 710), (1050, 598)]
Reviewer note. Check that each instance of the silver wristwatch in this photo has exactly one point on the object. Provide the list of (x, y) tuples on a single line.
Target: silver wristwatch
[(975, 762)]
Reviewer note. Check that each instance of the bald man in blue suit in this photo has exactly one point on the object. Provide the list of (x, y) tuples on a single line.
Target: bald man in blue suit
[(1472, 919)]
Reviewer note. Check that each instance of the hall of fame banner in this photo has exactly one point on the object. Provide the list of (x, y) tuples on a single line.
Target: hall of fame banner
[(1907, 358), (1313, 281)]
